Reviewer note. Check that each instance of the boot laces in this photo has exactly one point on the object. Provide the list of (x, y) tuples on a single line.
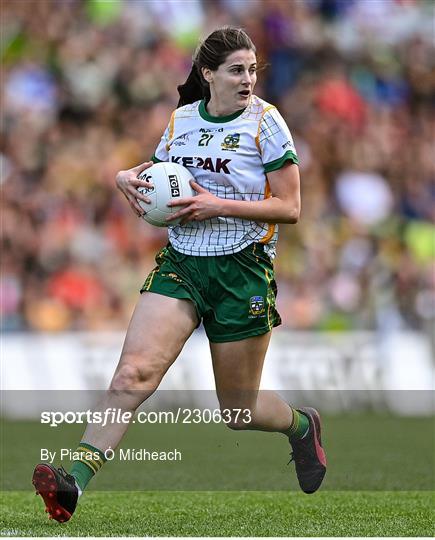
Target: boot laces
[(297, 456), (67, 477)]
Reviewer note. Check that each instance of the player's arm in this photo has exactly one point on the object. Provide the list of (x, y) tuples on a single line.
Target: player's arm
[(282, 207)]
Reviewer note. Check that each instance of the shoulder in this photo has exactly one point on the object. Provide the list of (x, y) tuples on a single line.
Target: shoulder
[(259, 110), (261, 104), (187, 111)]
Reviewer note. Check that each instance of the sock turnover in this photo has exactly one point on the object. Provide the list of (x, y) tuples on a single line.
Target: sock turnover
[(299, 426), (90, 461)]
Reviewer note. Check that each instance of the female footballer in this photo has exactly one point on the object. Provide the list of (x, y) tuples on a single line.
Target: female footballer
[(217, 267)]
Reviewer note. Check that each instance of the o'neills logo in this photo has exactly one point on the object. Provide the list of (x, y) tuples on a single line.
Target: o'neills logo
[(174, 185), (147, 177)]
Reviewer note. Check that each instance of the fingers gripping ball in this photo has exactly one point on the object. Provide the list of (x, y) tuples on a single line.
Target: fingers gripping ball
[(170, 182)]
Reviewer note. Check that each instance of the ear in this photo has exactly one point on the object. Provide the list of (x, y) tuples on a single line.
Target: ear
[(207, 74)]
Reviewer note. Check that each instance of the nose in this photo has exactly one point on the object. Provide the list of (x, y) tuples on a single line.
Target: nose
[(246, 79)]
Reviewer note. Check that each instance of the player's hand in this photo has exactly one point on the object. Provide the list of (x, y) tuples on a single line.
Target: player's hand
[(128, 182), (205, 205)]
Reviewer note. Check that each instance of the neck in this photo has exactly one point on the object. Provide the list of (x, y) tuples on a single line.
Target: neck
[(214, 108)]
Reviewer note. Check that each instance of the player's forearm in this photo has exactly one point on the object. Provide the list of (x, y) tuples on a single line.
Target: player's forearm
[(271, 210)]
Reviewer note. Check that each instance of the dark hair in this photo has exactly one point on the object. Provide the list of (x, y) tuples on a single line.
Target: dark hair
[(211, 53)]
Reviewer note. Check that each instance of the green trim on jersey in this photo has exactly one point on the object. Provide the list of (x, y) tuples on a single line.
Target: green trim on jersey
[(155, 159), (279, 163), (217, 119)]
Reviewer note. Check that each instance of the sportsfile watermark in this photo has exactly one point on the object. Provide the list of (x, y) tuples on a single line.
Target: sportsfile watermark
[(123, 454), (118, 416), (185, 441)]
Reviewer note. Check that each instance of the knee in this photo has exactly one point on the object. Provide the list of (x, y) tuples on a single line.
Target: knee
[(134, 375)]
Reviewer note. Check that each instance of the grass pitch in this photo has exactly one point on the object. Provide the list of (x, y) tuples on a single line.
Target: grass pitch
[(379, 483), (365, 453), (226, 514)]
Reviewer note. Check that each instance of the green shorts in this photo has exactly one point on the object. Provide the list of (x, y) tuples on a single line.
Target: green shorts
[(234, 295)]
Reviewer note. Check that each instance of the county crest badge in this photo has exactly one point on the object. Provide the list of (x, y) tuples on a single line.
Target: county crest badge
[(231, 142), (256, 306)]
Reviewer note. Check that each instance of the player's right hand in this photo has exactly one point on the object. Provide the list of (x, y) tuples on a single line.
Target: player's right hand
[(128, 182)]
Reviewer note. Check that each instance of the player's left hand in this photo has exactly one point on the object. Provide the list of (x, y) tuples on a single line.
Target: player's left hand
[(205, 205)]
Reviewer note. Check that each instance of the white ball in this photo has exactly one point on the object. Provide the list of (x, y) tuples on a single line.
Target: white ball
[(170, 183)]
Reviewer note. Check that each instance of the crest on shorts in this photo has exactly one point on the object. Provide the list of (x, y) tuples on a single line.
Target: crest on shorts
[(231, 142), (256, 305)]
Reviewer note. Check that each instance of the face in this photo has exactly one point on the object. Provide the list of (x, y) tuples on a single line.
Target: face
[(232, 84)]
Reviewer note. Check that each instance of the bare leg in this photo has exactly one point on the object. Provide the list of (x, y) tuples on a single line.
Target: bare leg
[(158, 330), (237, 369)]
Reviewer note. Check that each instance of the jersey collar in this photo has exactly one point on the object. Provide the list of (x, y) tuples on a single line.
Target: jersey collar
[(217, 119)]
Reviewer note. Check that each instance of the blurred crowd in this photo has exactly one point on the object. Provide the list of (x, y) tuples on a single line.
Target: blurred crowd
[(88, 88)]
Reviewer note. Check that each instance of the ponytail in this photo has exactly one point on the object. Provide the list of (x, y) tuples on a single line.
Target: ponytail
[(193, 89)]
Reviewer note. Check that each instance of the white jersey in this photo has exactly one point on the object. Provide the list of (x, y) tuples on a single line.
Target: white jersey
[(229, 156)]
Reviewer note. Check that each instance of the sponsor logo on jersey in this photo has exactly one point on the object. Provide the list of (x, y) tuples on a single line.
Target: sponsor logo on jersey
[(256, 306), (231, 142), (211, 130), (288, 144), (174, 185), (217, 165)]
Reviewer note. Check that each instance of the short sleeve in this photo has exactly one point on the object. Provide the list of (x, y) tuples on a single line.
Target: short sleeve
[(276, 142), (162, 150), (161, 153)]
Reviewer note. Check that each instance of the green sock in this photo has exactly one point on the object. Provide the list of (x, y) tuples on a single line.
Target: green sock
[(299, 426), (87, 465)]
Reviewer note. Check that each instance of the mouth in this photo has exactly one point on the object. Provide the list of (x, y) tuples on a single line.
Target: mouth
[(244, 93)]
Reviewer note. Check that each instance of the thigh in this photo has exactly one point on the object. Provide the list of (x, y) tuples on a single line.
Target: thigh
[(242, 296), (237, 367), (157, 332)]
